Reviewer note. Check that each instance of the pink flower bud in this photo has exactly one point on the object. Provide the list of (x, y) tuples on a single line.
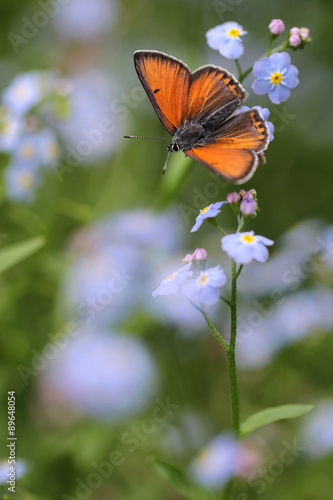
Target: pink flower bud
[(248, 206), (242, 192), (247, 195), (304, 33), (188, 258), (295, 31), (253, 192), (276, 26), (294, 40), (200, 255), (233, 197)]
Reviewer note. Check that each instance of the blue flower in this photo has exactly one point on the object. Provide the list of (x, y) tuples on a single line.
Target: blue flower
[(21, 181), (226, 38), (264, 113), (172, 283), (103, 374), (211, 210), (276, 76), (11, 127), (205, 288), (49, 150), (26, 90), (244, 247)]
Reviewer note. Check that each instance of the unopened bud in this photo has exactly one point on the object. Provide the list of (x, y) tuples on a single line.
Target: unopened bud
[(200, 255), (188, 258), (276, 26), (295, 40), (248, 206), (233, 197)]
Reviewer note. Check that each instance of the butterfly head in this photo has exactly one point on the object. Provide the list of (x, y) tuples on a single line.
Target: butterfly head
[(174, 146)]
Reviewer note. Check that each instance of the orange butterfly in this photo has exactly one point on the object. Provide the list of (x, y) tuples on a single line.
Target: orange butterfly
[(196, 109)]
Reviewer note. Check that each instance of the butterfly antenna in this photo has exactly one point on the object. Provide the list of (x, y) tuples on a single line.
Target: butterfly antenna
[(166, 163), (141, 137)]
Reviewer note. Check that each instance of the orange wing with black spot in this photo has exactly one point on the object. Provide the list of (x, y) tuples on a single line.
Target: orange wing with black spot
[(166, 82), (211, 88), (231, 151)]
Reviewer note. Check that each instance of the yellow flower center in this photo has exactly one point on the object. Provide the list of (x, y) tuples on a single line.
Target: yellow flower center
[(170, 277), (276, 77), (248, 238), (202, 280), (25, 180), (234, 33), (204, 210)]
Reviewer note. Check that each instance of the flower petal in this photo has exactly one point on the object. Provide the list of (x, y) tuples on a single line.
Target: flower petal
[(209, 295), (263, 68), (260, 253), (261, 86), (199, 221), (264, 240), (290, 79), (279, 94), (280, 60), (232, 49)]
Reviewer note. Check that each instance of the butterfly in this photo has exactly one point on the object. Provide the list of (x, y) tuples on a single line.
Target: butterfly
[(198, 110)]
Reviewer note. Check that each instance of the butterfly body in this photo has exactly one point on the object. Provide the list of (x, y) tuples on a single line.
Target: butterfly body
[(197, 109)]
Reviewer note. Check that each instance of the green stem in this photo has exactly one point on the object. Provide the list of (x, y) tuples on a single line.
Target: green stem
[(225, 300), (231, 352), (238, 69), (214, 331), (270, 51)]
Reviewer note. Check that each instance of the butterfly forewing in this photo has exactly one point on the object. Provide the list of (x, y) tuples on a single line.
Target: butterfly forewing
[(166, 82), (211, 88)]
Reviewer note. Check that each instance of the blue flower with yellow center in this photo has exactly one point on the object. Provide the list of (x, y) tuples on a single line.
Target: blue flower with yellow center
[(275, 76)]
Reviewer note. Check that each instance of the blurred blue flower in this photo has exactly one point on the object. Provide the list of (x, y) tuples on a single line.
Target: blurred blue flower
[(265, 114), (275, 76), (316, 432), (21, 468), (244, 247), (10, 129), (205, 288), (106, 376), (90, 132), (49, 149), (26, 90), (171, 284), (21, 181), (211, 210), (223, 458), (84, 20), (226, 38)]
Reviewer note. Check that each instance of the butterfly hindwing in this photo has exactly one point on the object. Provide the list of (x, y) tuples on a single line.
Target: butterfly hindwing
[(236, 165), (166, 82), (245, 130)]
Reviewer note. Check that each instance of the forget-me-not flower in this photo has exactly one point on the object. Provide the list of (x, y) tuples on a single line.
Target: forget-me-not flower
[(205, 288), (226, 38), (275, 76), (244, 247), (264, 113), (208, 212), (172, 282)]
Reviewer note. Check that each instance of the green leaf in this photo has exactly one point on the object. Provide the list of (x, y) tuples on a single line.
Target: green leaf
[(13, 254), (178, 479), (270, 415)]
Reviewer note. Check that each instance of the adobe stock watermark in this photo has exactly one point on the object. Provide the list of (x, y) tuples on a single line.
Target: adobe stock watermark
[(223, 7), (131, 441), (86, 312), (274, 468), (30, 27), (93, 138)]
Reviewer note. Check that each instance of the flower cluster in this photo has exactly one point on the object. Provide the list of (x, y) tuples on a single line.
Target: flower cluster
[(30, 144), (275, 73)]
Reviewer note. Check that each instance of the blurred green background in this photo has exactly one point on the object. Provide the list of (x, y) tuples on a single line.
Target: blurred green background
[(59, 445)]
